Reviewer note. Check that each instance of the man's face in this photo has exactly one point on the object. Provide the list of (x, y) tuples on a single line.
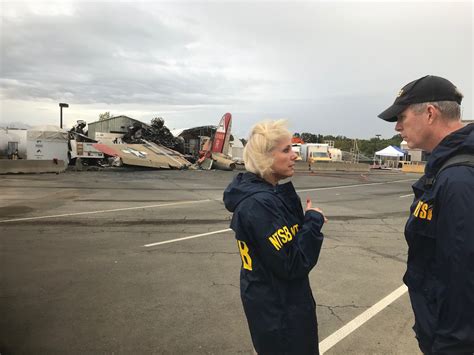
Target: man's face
[(414, 128)]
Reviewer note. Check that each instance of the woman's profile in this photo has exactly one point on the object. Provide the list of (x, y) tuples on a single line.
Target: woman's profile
[(279, 244)]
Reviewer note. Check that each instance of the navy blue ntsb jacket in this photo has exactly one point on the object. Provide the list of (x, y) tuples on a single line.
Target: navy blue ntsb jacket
[(440, 237), (279, 245)]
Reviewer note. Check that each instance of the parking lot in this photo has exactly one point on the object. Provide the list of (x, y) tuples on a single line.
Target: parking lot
[(126, 261)]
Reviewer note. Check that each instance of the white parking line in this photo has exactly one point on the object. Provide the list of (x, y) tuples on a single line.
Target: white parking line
[(185, 238), (407, 195), (103, 211), (340, 334), (227, 230), (346, 186), (182, 203)]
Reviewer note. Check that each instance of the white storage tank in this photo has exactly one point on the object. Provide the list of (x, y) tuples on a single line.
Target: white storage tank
[(46, 143), (10, 140)]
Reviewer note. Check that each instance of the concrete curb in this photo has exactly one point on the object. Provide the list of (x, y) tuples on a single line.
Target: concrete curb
[(23, 166)]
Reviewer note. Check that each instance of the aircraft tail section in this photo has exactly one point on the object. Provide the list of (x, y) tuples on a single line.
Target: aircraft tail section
[(222, 136)]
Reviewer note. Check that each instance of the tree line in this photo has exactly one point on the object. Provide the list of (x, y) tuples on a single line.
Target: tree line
[(366, 147)]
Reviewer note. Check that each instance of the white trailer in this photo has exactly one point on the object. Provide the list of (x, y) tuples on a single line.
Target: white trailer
[(84, 150), (315, 152), (46, 143), (81, 146), (296, 147), (335, 154)]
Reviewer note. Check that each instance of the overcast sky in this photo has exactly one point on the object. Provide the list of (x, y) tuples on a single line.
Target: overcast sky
[(329, 67)]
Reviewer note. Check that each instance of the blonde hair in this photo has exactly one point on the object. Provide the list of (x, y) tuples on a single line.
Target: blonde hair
[(263, 138)]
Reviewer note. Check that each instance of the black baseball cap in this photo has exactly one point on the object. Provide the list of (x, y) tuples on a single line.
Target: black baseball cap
[(429, 88)]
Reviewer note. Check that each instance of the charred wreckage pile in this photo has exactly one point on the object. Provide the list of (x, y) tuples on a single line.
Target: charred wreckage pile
[(157, 133), (152, 146)]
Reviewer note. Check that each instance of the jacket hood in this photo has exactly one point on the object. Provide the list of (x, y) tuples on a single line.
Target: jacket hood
[(458, 142), (242, 186)]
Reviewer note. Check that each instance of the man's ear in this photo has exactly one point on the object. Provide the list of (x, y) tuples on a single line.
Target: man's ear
[(432, 113)]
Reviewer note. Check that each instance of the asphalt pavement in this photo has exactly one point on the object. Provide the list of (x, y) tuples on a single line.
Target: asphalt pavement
[(126, 261)]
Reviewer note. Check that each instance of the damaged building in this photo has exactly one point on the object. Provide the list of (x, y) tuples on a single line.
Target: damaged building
[(111, 128), (194, 138), (132, 142), (124, 129)]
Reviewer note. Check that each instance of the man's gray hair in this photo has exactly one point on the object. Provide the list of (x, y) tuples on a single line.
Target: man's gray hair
[(449, 109)]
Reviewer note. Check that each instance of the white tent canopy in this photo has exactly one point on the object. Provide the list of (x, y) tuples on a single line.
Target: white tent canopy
[(389, 151)]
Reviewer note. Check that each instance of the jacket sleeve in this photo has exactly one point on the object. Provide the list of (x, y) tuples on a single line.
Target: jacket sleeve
[(455, 262), (289, 251)]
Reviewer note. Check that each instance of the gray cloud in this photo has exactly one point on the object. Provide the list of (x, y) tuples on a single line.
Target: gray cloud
[(105, 54), (329, 67)]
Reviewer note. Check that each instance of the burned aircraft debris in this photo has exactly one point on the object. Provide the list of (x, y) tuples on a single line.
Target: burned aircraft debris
[(146, 154), (214, 150), (156, 133)]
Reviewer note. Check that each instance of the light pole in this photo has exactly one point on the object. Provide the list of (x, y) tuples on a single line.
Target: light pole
[(61, 105), (378, 138)]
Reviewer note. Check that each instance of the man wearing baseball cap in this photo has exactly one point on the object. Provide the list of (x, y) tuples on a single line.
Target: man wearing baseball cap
[(440, 229)]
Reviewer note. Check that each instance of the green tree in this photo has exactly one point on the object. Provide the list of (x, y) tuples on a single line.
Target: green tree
[(104, 116), (311, 138), (366, 147)]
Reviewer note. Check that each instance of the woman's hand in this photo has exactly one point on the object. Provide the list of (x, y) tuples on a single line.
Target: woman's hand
[(309, 207)]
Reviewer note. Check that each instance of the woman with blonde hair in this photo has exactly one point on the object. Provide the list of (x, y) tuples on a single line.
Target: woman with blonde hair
[(279, 244)]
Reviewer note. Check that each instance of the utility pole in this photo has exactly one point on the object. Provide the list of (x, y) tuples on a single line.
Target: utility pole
[(355, 152)]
